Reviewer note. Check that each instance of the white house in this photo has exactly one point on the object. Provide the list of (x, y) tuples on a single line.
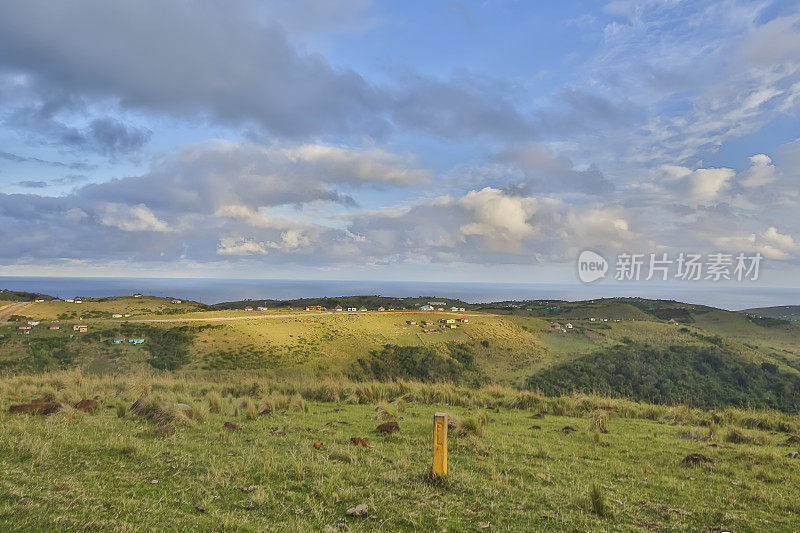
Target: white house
[(569, 326), (426, 308)]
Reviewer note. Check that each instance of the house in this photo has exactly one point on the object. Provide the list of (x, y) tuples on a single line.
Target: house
[(452, 326), (70, 300), (457, 309), (136, 341), (381, 308), (54, 327), (176, 301), (411, 322), (568, 326), (78, 301), (462, 320), (137, 295), (448, 321), (33, 322), (80, 329), (428, 323), (592, 319), (440, 308), (563, 330), (338, 308), (352, 309), (126, 315), (24, 327), (118, 340), (555, 325), (671, 321), (116, 315), (605, 320), (38, 300), (262, 308), (426, 308), (363, 309), (248, 308)]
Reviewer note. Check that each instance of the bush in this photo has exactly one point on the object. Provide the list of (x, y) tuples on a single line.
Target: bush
[(214, 402)]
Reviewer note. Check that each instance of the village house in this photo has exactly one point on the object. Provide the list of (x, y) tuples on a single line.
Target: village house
[(248, 308), (568, 326), (462, 320), (381, 308), (592, 319), (116, 315), (80, 329), (428, 323), (352, 309), (136, 341), (262, 308), (33, 322), (176, 301), (448, 321), (338, 308), (426, 308), (70, 300), (38, 300), (118, 340), (411, 322), (54, 327), (671, 321), (24, 327), (126, 315), (457, 309), (363, 309), (137, 295)]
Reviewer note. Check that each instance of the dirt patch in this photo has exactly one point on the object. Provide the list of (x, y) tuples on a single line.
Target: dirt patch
[(232, 427), (87, 406), (389, 427), (697, 459), (360, 441)]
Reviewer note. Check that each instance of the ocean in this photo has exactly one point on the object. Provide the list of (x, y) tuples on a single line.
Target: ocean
[(213, 290)]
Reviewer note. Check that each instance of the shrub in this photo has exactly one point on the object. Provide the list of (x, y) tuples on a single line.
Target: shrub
[(297, 404), (250, 409), (122, 410), (470, 425), (214, 402), (598, 421), (598, 500)]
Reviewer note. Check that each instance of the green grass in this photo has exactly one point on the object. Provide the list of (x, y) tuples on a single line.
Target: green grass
[(74, 471)]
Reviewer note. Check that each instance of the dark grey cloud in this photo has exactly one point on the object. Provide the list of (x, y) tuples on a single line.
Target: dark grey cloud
[(75, 165), (31, 184), (544, 172)]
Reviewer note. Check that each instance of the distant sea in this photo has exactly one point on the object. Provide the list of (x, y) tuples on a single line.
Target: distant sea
[(211, 290)]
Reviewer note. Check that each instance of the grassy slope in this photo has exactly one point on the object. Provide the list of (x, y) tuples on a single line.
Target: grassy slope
[(75, 471)]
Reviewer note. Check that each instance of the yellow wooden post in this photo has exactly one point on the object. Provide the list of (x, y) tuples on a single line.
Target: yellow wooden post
[(440, 444)]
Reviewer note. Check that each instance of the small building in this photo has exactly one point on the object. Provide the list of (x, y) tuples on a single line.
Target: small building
[(411, 322), (54, 327), (426, 308), (33, 322), (673, 321), (428, 323), (448, 321), (116, 315), (80, 329), (118, 340), (24, 327), (127, 315), (568, 326), (136, 341), (38, 300), (352, 309), (70, 300), (176, 301), (262, 308), (592, 319), (78, 301), (457, 309), (248, 308), (451, 326), (462, 320), (381, 308), (137, 295), (363, 309), (338, 308)]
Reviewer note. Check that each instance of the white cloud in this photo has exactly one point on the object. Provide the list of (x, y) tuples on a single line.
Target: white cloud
[(501, 220), (761, 172), (234, 246), (131, 218)]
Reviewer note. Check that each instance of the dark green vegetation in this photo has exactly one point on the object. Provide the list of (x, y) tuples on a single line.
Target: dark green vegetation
[(19, 296), (371, 302), (451, 362), (700, 376)]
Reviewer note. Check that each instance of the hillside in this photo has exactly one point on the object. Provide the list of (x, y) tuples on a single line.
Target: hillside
[(254, 454), (371, 302), (657, 351), (790, 313)]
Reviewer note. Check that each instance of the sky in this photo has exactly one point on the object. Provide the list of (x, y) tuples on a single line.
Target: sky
[(359, 139)]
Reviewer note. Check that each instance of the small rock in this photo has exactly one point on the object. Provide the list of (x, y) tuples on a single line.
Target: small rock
[(358, 510), (697, 459), (87, 406), (162, 431), (267, 411), (186, 409), (231, 426), (793, 455), (389, 427), (154, 482)]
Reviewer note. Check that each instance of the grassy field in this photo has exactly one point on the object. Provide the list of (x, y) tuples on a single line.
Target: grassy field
[(512, 467)]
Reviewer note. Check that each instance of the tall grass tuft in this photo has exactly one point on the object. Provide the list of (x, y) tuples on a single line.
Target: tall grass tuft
[(250, 408), (214, 401), (298, 404), (598, 421), (387, 411), (122, 410), (598, 500)]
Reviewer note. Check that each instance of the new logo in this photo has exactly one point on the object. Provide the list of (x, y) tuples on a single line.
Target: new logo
[(591, 266)]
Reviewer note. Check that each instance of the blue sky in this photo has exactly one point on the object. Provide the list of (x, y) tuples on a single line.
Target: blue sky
[(395, 140)]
